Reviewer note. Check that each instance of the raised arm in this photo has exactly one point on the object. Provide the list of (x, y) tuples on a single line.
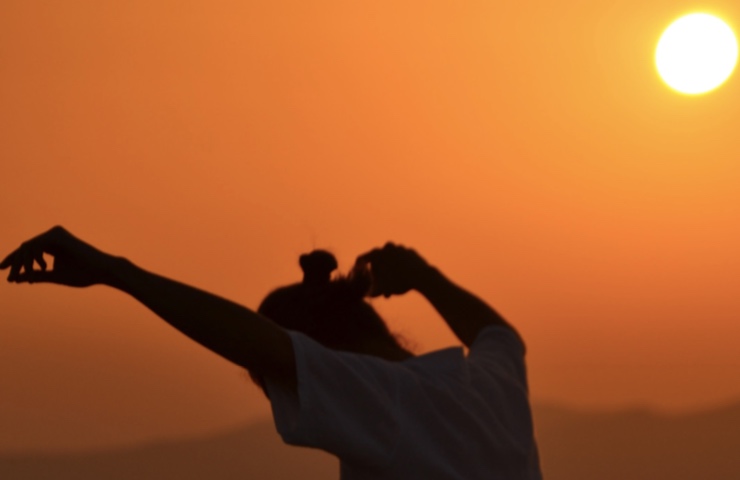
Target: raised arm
[(231, 330), (396, 270), (465, 313)]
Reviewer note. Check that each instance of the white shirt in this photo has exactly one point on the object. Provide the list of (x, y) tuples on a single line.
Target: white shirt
[(442, 415)]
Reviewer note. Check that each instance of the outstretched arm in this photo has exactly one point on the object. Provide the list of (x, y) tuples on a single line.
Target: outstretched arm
[(396, 270), (231, 330), (227, 328)]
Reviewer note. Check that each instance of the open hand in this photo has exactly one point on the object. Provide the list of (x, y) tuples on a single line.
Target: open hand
[(394, 269), (76, 263)]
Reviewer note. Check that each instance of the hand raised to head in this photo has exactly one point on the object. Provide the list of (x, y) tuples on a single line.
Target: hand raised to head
[(76, 263), (394, 269)]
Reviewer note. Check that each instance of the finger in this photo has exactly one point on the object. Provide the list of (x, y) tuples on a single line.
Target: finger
[(39, 257), (378, 254), (368, 257), (8, 261), (15, 268), (37, 276), (378, 282), (27, 259)]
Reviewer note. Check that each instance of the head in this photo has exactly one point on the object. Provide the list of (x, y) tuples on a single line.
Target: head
[(331, 311)]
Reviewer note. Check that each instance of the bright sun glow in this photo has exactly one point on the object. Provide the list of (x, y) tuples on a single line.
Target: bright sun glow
[(696, 53)]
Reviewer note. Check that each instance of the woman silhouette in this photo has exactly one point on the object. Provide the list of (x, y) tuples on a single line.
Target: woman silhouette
[(335, 376)]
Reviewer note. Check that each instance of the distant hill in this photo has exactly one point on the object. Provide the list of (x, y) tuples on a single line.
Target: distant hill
[(639, 444), (254, 452), (624, 445)]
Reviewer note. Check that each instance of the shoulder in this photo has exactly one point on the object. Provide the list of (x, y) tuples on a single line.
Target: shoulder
[(499, 349), (498, 337), (345, 403)]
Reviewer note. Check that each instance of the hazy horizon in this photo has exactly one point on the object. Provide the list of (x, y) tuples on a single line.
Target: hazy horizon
[(634, 444), (540, 409)]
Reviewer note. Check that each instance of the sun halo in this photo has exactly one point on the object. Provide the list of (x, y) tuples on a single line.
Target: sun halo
[(696, 53)]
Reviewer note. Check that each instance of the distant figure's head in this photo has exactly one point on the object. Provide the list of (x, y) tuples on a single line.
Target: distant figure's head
[(331, 311)]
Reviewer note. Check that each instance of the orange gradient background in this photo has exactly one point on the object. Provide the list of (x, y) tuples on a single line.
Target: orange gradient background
[(529, 150)]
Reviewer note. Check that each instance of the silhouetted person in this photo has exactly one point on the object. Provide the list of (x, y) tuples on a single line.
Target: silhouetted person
[(336, 377)]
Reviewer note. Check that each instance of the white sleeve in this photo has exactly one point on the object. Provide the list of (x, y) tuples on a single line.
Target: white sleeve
[(498, 373), (500, 351), (346, 403)]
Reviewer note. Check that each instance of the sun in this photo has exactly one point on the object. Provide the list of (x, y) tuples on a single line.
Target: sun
[(696, 53)]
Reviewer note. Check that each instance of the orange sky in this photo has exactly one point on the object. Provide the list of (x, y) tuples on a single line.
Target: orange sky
[(528, 149)]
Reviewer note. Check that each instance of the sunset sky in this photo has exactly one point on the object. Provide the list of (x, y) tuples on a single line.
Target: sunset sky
[(527, 149)]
